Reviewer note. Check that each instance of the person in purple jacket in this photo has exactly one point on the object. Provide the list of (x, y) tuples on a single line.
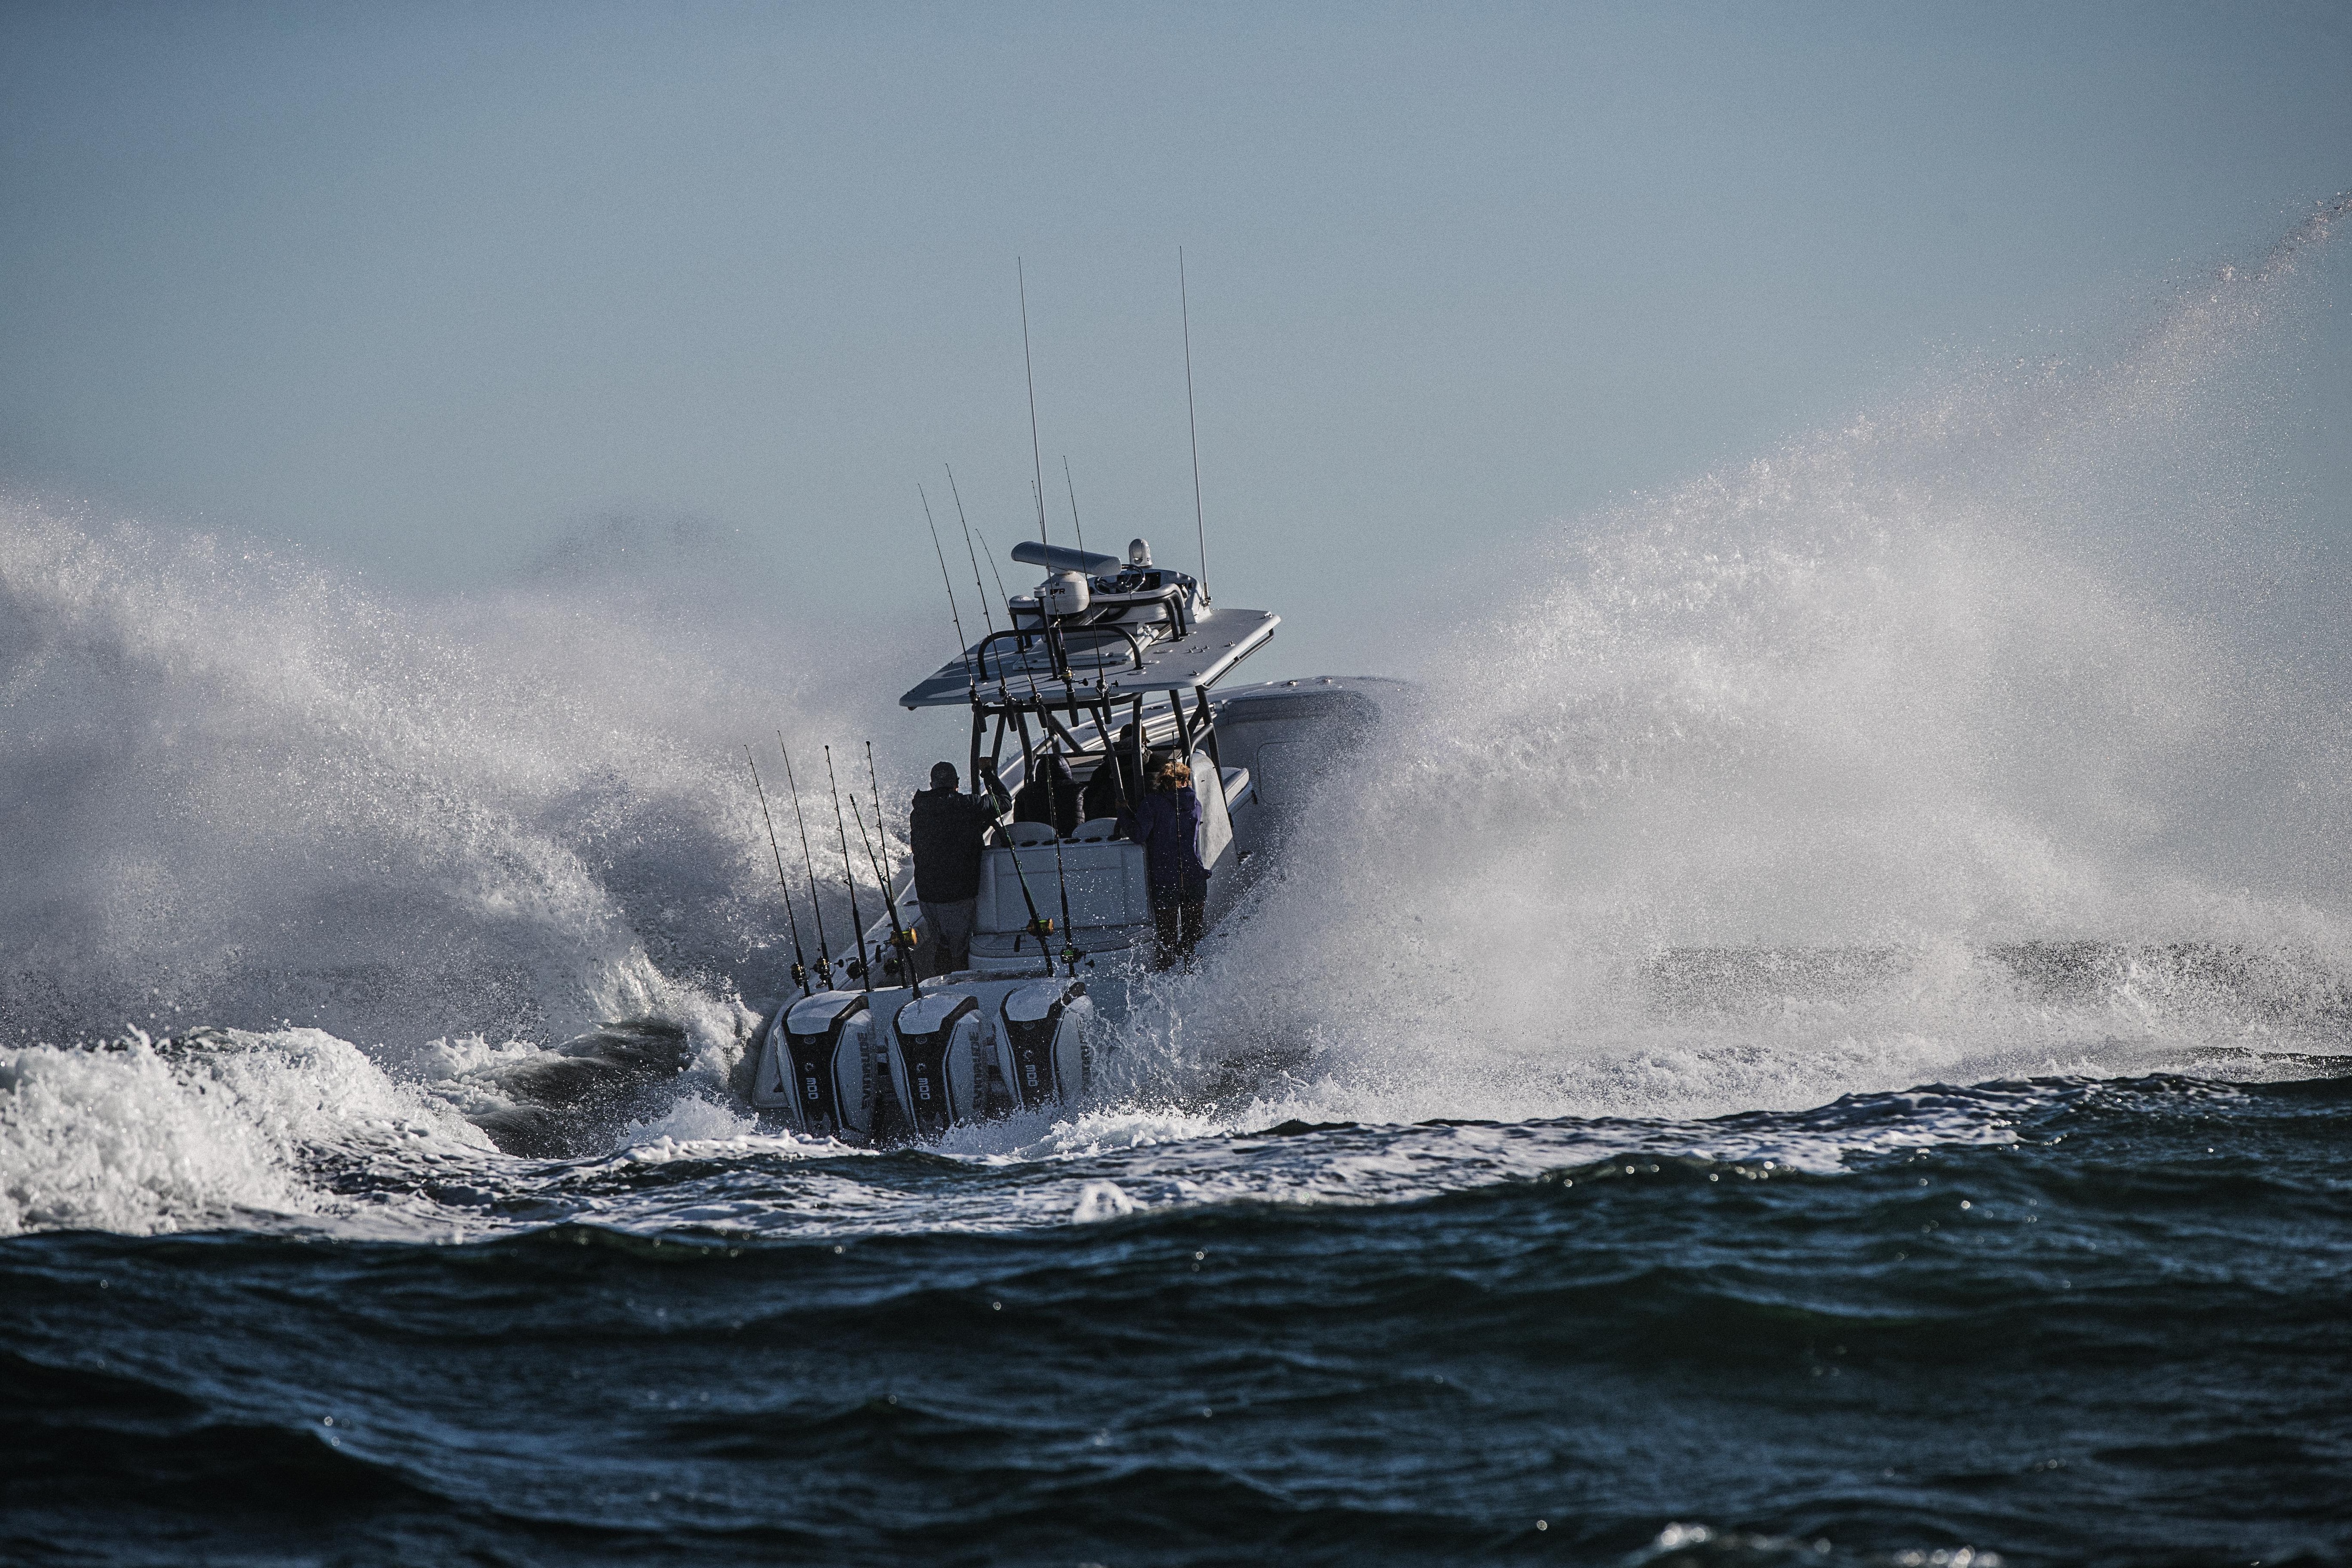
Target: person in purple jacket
[(1167, 824)]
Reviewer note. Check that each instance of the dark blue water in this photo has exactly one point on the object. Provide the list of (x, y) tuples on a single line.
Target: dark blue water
[(2051, 1322)]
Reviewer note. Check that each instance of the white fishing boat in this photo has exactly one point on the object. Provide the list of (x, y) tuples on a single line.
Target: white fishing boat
[(1103, 653)]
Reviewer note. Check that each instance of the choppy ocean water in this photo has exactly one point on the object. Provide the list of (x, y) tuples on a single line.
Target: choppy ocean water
[(1823, 1039), (2053, 1320)]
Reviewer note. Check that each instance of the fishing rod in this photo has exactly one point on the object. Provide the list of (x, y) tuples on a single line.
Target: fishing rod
[(823, 950), (1039, 926), (1054, 811), (994, 572), (1191, 422), (1062, 877), (980, 593), (1036, 462), (962, 647), (874, 779), (900, 937), (1075, 523), (800, 959), (861, 969)]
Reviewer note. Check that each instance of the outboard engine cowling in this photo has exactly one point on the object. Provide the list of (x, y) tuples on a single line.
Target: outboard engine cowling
[(935, 1061), (815, 1064), (1042, 1049)]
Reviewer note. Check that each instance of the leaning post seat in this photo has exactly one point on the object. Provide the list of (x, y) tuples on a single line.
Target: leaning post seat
[(1111, 897)]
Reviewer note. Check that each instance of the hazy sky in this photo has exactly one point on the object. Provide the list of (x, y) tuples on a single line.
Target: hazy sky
[(426, 286)]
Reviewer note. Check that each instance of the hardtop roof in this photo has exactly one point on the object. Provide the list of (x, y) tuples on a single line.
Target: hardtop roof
[(1102, 662)]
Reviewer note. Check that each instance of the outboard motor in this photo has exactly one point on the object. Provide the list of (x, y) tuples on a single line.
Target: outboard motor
[(1042, 1051), (935, 1061), (815, 1063)]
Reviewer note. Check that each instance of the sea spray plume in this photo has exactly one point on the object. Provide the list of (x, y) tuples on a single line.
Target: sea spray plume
[(239, 789), (1866, 764)]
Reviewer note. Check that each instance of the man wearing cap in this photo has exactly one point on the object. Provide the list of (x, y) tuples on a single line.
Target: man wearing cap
[(947, 831)]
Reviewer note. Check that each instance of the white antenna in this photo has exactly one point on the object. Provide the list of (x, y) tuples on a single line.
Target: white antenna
[(1036, 459), (1200, 528)]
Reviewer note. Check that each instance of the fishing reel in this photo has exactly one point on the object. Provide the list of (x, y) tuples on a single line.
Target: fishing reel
[(800, 974), (903, 942), (1039, 927)]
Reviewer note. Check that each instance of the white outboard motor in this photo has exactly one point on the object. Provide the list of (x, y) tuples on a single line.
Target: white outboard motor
[(936, 1064), (1065, 595), (1042, 1049), (815, 1064)]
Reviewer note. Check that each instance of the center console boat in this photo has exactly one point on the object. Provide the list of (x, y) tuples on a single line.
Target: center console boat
[(1106, 666)]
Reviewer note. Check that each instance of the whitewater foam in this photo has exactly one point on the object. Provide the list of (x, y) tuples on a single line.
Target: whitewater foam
[(224, 1128)]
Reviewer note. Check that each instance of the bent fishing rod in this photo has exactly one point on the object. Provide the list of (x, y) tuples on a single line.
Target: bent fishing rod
[(860, 970), (800, 959), (823, 950)]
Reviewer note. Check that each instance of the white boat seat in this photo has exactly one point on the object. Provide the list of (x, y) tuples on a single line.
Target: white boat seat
[(1095, 829), (1025, 832)]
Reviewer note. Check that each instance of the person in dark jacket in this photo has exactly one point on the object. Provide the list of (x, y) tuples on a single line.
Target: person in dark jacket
[(1050, 795), (1117, 787), (947, 831), (1168, 824)]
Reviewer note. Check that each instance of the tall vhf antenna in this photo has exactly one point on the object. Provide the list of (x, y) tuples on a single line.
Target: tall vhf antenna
[(1075, 523), (1036, 458), (1200, 528)]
